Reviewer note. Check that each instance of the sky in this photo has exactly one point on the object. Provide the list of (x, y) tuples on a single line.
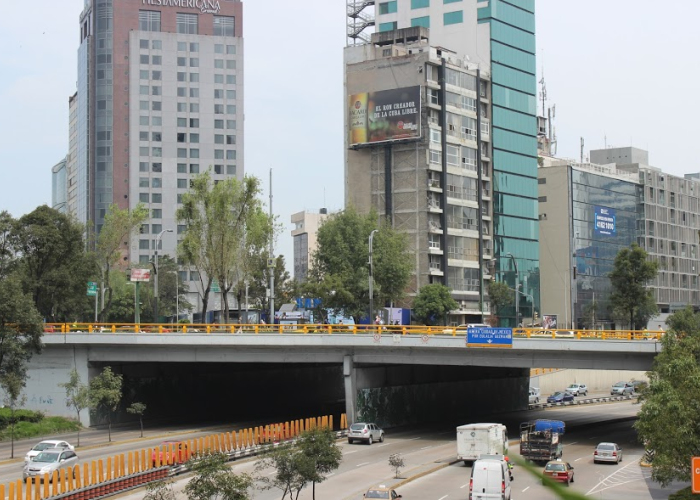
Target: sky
[(612, 69)]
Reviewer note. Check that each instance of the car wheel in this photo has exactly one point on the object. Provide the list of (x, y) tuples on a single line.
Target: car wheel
[(349, 441), (381, 438), (369, 440)]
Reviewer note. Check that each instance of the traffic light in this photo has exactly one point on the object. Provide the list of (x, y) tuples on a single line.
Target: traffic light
[(536, 315)]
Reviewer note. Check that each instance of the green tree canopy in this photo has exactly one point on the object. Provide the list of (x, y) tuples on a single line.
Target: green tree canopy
[(669, 421), (631, 274), (500, 296), (433, 303), (214, 480), (340, 275), (105, 394)]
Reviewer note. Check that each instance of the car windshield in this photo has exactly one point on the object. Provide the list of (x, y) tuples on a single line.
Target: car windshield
[(606, 447), (619, 384), (47, 457), (43, 446), (357, 427), (556, 394), (377, 494), (573, 386), (555, 467)]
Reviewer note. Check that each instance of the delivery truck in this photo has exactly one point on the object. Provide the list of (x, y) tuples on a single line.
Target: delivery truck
[(541, 440), (474, 440)]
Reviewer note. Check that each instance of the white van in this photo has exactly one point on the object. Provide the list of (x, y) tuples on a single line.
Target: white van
[(475, 440), (489, 480), (534, 395)]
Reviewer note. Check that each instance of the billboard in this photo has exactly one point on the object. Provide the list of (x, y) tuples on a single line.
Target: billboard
[(604, 221), (383, 116), (549, 321), (140, 274)]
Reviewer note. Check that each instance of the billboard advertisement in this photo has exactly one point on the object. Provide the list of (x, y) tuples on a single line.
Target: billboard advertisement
[(549, 321), (604, 221), (383, 116), (140, 275)]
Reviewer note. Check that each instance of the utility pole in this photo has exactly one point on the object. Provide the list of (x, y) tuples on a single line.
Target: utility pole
[(155, 277), (371, 277), (517, 290), (271, 262)]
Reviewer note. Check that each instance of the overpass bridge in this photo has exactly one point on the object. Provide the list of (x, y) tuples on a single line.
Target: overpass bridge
[(369, 373)]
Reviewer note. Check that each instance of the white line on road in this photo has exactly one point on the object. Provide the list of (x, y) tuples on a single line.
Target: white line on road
[(426, 447), (349, 452), (363, 463), (578, 459), (383, 444), (463, 486), (443, 498), (602, 481), (571, 444), (413, 439), (526, 489)]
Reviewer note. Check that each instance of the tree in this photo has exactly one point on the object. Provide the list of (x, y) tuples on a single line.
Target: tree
[(216, 216), (77, 395), (260, 282), (590, 313), (629, 278), (396, 462), (137, 409), (112, 242), (214, 480), (669, 421), (340, 274), (318, 445), (500, 296), (160, 490), (433, 302), (105, 394), (172, 291), (291, 470), (12, 384)]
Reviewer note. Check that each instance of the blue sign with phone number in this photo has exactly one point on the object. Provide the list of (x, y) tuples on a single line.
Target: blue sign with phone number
[(604, 221), (490, 337)]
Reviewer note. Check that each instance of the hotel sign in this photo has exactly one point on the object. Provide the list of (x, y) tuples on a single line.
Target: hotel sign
[(204, 6)]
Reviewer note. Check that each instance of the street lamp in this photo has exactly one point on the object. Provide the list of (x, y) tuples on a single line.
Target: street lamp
[(517, 288), (155, 269), (371, 276)]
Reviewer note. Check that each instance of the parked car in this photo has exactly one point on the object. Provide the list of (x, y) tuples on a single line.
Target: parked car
[(621, 388), (178, 449), (557, 470), (560, 397), (48, 461), (638, 385), (48, 445), (382, 491), (577, 389), (534, 395), (607, 452), (366, 432)]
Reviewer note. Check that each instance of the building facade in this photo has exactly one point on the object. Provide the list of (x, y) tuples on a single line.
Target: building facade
[(159, 100), (306, 226), (587, 213), (498, 38), (59, 186)]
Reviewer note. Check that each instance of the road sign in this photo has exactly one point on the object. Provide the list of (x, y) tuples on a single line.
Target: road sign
[(140, 275), (92, 289), (695, 474), (489, 337), (215, 287)]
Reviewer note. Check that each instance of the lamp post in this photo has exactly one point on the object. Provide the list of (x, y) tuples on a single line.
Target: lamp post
[(371, 276), (155, 278), (517, 289)]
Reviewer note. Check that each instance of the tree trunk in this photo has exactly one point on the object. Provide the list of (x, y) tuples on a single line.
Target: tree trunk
[(141, 422), (205, 304), (109, 426), (224, 295), (240, 311), (313, 490)]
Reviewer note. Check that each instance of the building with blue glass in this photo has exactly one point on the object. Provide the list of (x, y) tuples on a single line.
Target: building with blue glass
[(496, 37)]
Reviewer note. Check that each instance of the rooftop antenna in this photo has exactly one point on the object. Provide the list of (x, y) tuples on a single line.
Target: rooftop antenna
[(581, 149)]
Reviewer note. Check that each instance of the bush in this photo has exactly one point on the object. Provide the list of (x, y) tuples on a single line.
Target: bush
[(20, 416), (684, 494), (49, 425)]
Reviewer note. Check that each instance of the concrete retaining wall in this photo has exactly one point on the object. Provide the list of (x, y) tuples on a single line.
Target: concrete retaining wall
[(596, 380)]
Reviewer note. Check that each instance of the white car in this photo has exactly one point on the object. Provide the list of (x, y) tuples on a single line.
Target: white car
[(577, 389), (48, 445)]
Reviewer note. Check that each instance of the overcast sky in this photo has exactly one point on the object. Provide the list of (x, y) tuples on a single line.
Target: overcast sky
[(619, 70)]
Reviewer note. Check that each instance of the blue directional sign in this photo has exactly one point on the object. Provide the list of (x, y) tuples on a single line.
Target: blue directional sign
[(489, 337)]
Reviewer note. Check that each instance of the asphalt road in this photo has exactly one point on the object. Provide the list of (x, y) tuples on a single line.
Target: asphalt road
[(430, 452)]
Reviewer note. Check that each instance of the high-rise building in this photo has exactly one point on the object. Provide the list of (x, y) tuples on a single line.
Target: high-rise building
[(159, 99), (71, 159), (306, 226), (497, 37), (59, 186)]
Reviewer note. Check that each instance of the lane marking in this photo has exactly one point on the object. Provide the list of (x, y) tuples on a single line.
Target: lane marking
[(602, 481), (578, 459), (571, 444), (443, 498), (383, 444), (413, 439), (350, 452), (526, 489), (363, 463), (426, 447), (463, 486)]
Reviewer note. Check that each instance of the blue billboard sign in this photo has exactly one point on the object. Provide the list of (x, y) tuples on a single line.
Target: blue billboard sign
[(489, 337), (604, 221)]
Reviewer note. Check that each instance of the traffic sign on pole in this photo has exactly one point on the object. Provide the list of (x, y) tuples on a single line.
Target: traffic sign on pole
[(215, 288), (695, 474), (92, 289)]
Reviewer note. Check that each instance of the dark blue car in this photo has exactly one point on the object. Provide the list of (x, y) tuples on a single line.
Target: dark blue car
[(560, 397)]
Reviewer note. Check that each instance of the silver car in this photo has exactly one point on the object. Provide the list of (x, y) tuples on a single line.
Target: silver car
[(621, 388), (578, 389), (607, 452), (48, 461), (366, 432)]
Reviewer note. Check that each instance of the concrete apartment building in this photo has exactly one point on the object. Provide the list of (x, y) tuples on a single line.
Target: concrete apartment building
[(306, 226), (489, 225), (159, 100)]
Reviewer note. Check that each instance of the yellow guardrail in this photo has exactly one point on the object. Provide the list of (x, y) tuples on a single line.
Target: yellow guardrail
[(326, 329), (99, 478)]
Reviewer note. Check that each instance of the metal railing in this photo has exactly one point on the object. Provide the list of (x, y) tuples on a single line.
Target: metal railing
[(330, 329)]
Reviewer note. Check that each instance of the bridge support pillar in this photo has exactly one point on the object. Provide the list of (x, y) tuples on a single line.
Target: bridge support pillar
[(350, 378)]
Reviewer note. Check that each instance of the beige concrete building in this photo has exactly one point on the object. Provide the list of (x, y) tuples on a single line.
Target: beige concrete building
[(306, 226)]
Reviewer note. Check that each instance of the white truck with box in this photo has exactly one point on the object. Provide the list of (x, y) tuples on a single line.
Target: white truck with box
[(474, 440)]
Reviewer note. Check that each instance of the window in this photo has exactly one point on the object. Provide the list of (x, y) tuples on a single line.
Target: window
[(156, 137), (230, 64), (194, 122), (181, 153), (143, 120), (194, 153), (387, 7), (157, 152), (194, 92), (387, 26), (156, 105), (230, 94), (218, 48), (231, 169), (450, 1), (223, 26), (157, 198), (194, 47), (230, 124), (194, 138), (157, 121), (219, 63), (218, 78), (230, 139), (156, 213), (143, 136), (144, 198), (194, 77), (181, 107), (181, 168), (157, 45), (143, 44), (218, 169), (143, 182), (143, 74), (230, 154), (231, 109), (156, 90), (218, 124), (421, 21), (194, 62), (231, 79), (182, 183), (453, 17), (194, 168), (218, 139), (420, 4), (218, 93), (218, 109), (181, 75), (156, 228), (182, 46), (181, 228), (219, 154), (181, 122), (143, 58), (157, 167), (187, 23), (143, 244), (157, 60), (230, 49), (149, 20), (194, 107), (182, 91), (143, 151), (143, 166), (156, 75)]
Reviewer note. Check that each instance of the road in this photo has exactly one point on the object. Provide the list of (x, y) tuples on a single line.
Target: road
[(431, 451)]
